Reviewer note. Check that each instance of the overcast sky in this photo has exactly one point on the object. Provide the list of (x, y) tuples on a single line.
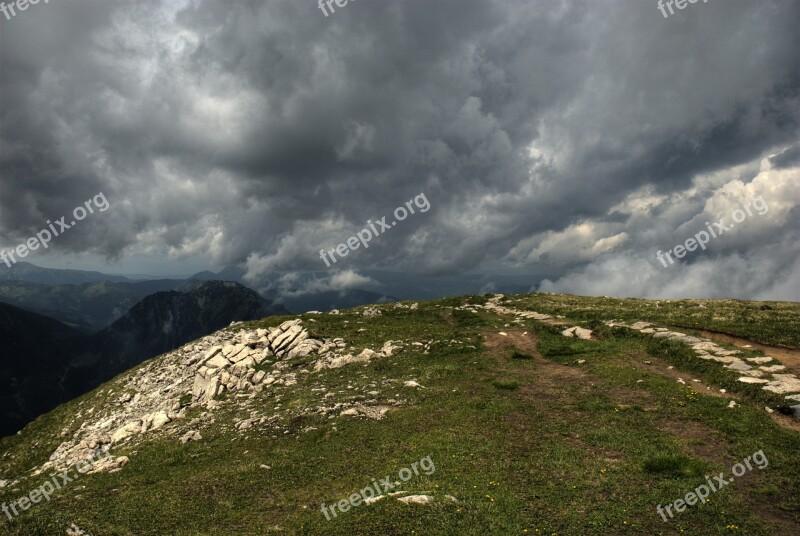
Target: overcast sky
[(568, 138)]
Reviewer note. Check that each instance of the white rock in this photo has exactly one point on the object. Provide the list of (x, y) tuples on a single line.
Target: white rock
[(416, 499), (192, 435), (218, 361), (748, 379)]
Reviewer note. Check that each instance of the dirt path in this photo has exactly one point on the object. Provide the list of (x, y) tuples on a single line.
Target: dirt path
[(790, 358), (548, 387)]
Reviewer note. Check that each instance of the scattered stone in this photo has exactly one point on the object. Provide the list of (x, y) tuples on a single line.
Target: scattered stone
[(75, 530)]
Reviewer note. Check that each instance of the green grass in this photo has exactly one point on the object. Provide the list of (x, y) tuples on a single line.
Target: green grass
[(506, 385), (676, 466), (527, 442)]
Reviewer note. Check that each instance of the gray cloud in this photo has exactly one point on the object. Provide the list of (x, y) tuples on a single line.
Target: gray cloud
[(573, 137)]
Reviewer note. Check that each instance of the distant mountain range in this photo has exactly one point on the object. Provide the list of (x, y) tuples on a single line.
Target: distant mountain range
[(30, 273), (89, 307), (91, 301)]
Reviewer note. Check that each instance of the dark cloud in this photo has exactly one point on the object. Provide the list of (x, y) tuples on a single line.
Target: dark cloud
[(565, 137)]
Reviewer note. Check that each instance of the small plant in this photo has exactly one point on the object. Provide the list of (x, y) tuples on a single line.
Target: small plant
[(185, 400), (519, 355), (507, 385)]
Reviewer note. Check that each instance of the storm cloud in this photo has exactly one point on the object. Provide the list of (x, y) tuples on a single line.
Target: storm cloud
[(566, 137)]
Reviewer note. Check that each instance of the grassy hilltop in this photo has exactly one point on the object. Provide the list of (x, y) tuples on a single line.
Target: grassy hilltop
[(530, 432)]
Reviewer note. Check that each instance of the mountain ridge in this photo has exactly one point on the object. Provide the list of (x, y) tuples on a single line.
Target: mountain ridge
[(516, 400)]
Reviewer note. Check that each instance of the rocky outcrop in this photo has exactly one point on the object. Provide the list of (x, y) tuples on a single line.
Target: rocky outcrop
[(232, 367), (158, 393)]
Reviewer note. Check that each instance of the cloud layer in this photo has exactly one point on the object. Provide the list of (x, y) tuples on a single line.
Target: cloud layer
[(573, 138)]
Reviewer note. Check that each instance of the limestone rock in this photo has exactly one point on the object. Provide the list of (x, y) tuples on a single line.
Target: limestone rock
[(783, 384), (75, 530), (748, 379), (577, 331), (416, 499), (191, 435)]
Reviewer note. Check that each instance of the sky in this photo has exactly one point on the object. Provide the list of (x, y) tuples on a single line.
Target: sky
[(572, 140)]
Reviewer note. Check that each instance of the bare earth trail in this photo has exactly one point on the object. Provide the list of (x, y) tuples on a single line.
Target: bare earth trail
[(788, 357), (551, 387)]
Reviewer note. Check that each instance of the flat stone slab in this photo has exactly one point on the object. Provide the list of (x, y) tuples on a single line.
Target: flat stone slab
[(783, 384), (708, 346), (579, 332), (688, 339), (760, 360), (754, 373), (669, 334), (748, 379)]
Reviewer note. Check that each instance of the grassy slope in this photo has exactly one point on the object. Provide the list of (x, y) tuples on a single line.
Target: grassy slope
[(528, 446)]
